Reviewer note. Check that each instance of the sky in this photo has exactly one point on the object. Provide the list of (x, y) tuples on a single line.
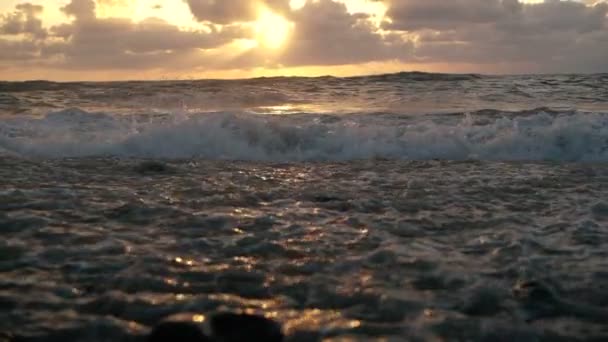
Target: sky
[(189, 39)]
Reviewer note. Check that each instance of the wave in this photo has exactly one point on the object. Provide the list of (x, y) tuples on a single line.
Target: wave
[(535, 135), (44, 85), (418, 76)]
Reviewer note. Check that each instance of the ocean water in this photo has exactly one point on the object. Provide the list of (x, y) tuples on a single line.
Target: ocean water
[(402, 207)]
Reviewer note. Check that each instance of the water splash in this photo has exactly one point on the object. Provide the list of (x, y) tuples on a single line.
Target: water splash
[(530, 135)]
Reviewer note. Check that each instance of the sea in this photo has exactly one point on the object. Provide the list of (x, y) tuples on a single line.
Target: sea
[(399, 207)]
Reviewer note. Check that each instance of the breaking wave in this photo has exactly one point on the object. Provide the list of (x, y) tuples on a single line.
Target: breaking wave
[(536, 135)]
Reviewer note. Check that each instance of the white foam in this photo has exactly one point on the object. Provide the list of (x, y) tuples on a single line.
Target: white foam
[(509, 137)]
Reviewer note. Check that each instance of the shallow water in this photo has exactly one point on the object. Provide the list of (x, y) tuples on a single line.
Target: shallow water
[(102, 249)]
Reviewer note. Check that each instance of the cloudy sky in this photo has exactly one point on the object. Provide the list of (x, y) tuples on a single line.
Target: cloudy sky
[(157, 39)]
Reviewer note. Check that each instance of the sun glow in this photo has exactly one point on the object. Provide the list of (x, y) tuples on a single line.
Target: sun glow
[(272, 30)]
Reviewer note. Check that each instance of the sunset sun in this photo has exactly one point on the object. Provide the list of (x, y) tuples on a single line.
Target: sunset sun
[(272, 30)]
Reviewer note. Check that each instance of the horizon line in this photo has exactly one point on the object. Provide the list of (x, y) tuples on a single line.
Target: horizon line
[(481, 74)]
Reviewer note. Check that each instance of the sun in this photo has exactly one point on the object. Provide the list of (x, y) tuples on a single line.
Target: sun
[(271, 29)]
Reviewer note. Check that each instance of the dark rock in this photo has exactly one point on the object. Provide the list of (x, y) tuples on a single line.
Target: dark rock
[(483, 302), (149, 167), (437, 282), (538, 300), (535, 291), (177, 331), (325, 198), (7, 304), (230, 327)]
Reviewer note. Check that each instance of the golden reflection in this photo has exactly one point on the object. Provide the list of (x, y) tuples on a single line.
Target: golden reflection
[(250, 311), (245, 260), (135, 327), (354, 324), (170, 281), (183, 261), (271, 314), (198, 318), (217, 268), (280, 109), (319, 319)]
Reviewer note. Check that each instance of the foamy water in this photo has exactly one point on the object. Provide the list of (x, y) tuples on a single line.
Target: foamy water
[(402, 207), (534, 135)]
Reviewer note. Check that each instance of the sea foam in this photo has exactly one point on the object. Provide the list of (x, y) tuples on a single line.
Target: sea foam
[(524, 136)]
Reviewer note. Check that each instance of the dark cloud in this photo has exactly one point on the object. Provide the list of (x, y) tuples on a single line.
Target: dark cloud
[(120, 43), (412, 15), (229, 11), (326, 34), (555, 36), (24, 20), (441, 14), (80, 9), (19, 51), (557, 16)]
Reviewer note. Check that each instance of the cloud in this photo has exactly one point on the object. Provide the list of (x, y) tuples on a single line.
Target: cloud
[(554, 36), (440, 14), (24, 20), (80, 9), (120, 43), (411, 15), (229, 11), (89, 42), (326, 34), (506, 35), (19, 51)]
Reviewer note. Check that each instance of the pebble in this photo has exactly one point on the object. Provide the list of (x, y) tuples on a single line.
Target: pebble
[(230, 327), (224, 327), (177, 331)]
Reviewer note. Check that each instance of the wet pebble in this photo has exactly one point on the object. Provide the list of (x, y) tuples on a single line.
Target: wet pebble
[(222, 327), (483, 302), (151, 167), (383, 257), (534, 291), (600, 211), (229, 327), (11, 251), (177, 331), (538, 300), (437, 281)]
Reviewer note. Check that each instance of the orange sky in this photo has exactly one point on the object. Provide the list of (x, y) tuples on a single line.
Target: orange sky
[(171, 39)]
